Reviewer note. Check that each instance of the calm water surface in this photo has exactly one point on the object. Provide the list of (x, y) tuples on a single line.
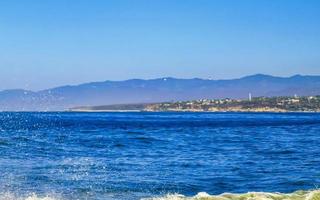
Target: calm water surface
[(136, 155)]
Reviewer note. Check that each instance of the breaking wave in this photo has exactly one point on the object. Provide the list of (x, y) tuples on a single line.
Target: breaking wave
[(299, 195)]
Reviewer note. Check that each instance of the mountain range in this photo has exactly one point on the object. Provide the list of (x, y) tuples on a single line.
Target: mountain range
[(156, 90)]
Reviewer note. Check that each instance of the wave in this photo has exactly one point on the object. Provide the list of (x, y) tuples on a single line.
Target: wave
[(299, 195)]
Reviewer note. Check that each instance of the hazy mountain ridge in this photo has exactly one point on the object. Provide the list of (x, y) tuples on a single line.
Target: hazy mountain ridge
[(156, 90)]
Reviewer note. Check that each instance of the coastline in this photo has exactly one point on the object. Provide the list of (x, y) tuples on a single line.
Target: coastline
[(182, 111), (309, 104), (101, 111)]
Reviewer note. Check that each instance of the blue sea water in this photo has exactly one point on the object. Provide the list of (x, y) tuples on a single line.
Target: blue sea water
[(141, 155)]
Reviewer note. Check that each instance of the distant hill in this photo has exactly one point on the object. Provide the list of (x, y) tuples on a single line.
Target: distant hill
[(156, 90)]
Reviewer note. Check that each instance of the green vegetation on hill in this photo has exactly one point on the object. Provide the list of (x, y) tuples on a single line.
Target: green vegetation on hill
[(258, 104)]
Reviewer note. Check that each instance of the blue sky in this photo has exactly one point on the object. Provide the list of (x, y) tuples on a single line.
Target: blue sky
[(45, 43)]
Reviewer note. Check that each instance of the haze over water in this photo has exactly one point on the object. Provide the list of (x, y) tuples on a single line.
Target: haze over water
[(143, 155)]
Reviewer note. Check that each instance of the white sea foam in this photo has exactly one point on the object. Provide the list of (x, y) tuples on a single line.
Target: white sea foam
[(10, 196), (299, 195)]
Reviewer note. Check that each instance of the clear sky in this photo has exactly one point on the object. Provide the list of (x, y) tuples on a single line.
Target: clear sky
[(47, 43)]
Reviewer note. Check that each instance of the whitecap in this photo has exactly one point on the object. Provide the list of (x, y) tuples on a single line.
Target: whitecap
[(299, 195)]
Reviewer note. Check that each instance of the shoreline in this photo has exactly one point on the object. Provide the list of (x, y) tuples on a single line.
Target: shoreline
[(180, 111), (155, 111)]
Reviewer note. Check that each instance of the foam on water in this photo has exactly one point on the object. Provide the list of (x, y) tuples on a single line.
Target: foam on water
[(10, 196), (299, 195)]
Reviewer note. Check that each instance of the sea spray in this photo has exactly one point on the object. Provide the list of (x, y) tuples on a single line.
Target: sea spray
[(10, 196)]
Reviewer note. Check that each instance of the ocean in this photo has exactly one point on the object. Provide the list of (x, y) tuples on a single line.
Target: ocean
[(133, 156)]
